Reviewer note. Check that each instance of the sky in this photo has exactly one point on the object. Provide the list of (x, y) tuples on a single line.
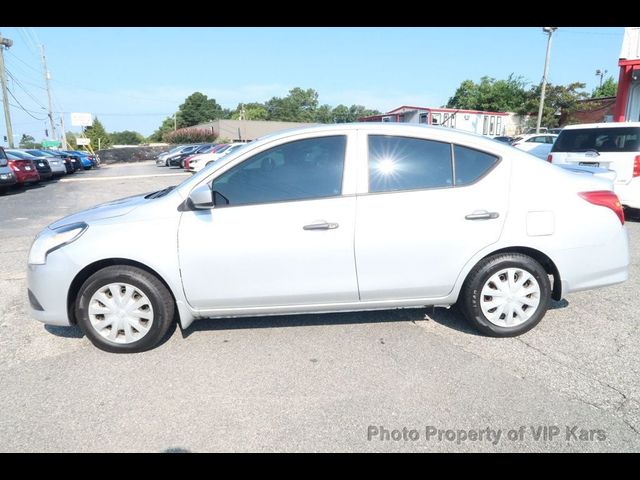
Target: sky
[(132, 78)]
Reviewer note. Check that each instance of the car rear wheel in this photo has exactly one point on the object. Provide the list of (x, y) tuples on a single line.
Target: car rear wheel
[(124, 309), (506, 295)]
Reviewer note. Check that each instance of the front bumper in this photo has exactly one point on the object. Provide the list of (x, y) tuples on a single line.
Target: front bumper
[(49, 286)]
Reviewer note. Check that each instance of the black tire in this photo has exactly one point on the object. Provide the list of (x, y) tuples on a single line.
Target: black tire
[(158, 294), (469, 299)]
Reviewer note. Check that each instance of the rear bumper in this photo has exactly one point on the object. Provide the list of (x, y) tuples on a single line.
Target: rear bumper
[(7, 182), (26, 177), (629, 193), (597, 266)]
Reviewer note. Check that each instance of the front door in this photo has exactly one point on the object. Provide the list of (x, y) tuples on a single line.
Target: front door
[(280, 234)]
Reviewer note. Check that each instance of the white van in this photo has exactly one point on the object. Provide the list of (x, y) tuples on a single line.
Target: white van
[(615, 146)]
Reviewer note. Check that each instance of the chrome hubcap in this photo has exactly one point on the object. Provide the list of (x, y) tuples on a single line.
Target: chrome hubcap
[(510, 297), (120, 313)]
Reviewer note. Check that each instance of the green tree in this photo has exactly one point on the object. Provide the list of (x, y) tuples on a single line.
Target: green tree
[(558, 99), (490, 94), (252, 111), (359, 111), (609, 88), (71, 140), (323, 114), (27, 141), (340, 114), (198, 108), (126, 137), (97, 132), (166, 127), (298, 106)]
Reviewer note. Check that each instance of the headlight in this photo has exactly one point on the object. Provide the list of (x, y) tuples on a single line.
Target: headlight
[(49, 240)]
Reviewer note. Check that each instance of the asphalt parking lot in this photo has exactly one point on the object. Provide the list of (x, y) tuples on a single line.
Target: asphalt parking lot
[(340, 382)]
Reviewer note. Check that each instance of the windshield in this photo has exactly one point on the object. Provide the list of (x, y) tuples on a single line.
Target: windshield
[(613, 139), (3, 158)]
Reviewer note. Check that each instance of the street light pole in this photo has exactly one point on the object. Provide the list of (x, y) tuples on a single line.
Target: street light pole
[(549, 31)]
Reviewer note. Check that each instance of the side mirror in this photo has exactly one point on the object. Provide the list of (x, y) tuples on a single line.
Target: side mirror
[(201, 197)]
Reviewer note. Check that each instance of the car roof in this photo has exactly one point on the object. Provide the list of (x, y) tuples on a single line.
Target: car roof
[(602, 125)]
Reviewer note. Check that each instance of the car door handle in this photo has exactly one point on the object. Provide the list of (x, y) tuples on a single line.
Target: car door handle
[(321, 226), (482, 215)]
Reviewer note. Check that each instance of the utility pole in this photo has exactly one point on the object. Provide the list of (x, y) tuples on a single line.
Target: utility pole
[(64, 132), (549, 31), (47, 77), (5, 43), (175, 123)]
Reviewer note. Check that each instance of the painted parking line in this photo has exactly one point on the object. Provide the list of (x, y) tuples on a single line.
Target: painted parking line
[(124, 177)]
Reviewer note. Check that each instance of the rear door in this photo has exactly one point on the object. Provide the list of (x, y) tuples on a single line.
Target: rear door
[(416, 227), (613, 148)]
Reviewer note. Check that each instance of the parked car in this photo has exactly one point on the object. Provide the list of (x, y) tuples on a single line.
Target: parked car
[(161, 160), (198, 162), (555, 131), (85, 158), (73, 160), (180, 151), (503, 139), (41, 165), (538, 145), (56, 165), (615, 146), (7, 178), (178, 160), (66, 161), (334, 218), (25, 171)]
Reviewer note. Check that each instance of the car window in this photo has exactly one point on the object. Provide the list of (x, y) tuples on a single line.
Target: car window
[(539, 139), (403, 163), (299, 170), (471, 164), (614, 139), (3, 158)]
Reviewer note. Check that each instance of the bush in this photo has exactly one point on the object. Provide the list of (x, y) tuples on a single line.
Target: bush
[(190, 135)]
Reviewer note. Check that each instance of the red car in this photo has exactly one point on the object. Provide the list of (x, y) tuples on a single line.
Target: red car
[(25, 171)]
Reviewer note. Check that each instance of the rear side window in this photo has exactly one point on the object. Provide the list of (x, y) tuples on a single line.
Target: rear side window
[(402, 163), (3, 158), (471, 164), (621, 139)]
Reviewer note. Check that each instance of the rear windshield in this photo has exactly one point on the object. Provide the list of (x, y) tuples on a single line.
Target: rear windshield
[(620, 139)]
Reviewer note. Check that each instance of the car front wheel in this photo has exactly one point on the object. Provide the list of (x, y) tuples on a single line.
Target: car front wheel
[(506, 295), (124, 309)]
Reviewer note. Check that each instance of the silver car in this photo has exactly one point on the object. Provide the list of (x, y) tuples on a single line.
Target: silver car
[(56, 163), (334, 218)]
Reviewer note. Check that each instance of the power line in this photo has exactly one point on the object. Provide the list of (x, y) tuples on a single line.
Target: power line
[(22, 107), (17, 82), (12, 55)]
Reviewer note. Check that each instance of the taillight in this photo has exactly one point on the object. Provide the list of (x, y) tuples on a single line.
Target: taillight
[(550, 158), (605, 198), (636, 166)]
